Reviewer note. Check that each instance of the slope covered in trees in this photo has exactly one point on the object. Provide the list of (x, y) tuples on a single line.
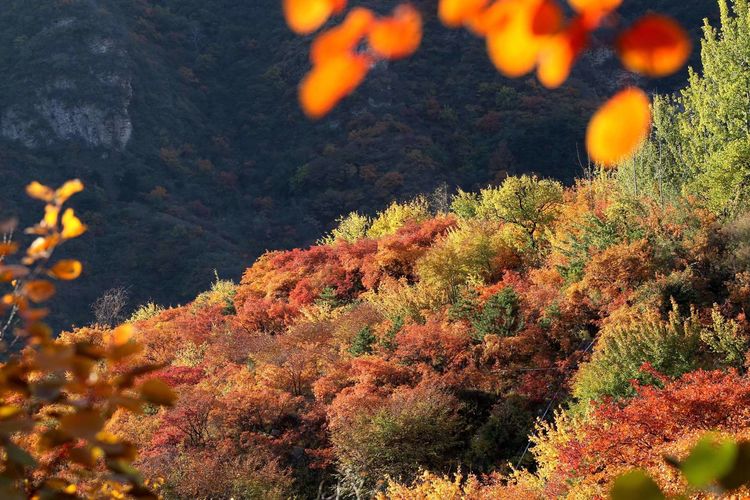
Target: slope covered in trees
[(433, 340), (182, 114), (524, 340)]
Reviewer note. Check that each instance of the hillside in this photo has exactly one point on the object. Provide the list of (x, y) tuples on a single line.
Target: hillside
[(181, 118), (459, 329), (434, 340)]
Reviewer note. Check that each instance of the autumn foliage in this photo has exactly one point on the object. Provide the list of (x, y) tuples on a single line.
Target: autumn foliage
[(59, 395), (434, 345)]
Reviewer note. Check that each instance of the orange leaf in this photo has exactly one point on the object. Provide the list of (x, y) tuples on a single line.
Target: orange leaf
[(40, 191), (454, 13), (547, 18), (157, 392), (558, 54), (397, 36), (67, 269), (494, 17), (72, 225), (8, 248), (512, 45), (41, 247), (595, 5), (67, 190), (305, 16), (654, 46), (10, 273), (331, 81), (122, 334), (39, 290), (343, 38), (593, 11), (619, 127), (33, 314)]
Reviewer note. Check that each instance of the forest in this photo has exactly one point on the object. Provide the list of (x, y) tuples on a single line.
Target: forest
[(528, 336)]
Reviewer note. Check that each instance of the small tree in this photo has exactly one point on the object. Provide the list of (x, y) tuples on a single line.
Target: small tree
[(108, 309), (527, 202)]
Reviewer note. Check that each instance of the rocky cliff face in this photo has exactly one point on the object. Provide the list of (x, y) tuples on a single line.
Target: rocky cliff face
[(85, 95)]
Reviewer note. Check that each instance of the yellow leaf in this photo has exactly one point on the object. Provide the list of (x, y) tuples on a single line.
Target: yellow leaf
[(305, 16), (72, 225), (157, 392), (67, 190), (50, 215), (67, 269), (40, 191), (619, 127)]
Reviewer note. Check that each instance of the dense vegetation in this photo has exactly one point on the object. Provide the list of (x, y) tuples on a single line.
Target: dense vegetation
[(523, 340), (607, 321), (221, 155)]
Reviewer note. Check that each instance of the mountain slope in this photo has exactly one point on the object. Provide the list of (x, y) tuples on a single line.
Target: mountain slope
[(181, 118)]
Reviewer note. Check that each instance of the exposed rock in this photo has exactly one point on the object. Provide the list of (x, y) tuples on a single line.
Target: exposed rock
[(86, 100)]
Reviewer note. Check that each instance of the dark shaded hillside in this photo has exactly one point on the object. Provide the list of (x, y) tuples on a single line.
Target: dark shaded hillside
[(181, 118)]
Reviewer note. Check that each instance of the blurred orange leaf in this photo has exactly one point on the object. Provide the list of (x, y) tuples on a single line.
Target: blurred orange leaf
[(122, 334), (512, 45), (595, 5), (8, 248), (558, 53), (619, 127), (654, 46), (67, 269), (397, 36), (454, 13), (305, 16), (344, 38), (547, 18), (39, 290), (329, 82), (10, 273)]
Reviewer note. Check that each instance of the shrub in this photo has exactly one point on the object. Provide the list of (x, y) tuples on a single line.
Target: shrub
[(397, 215)]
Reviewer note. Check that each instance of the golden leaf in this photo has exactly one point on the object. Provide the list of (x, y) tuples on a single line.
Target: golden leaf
[(157, 392), (72, 225), (67, 190), (40, 191)]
